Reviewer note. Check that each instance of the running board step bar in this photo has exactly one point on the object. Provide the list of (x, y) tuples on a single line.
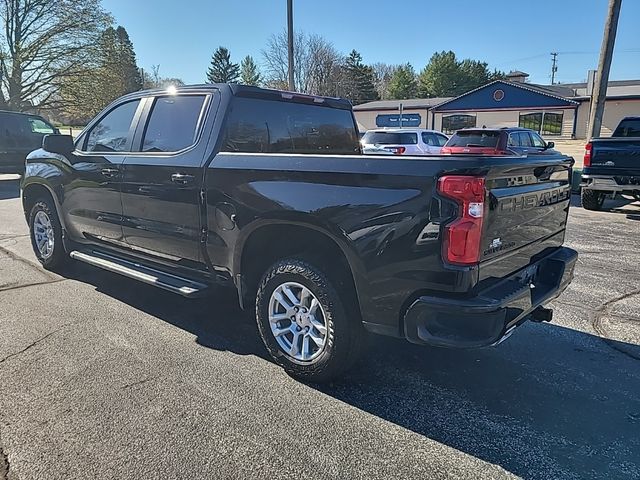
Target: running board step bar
[(180, 285)]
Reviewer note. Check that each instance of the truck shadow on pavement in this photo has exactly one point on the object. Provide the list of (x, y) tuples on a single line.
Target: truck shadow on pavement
[(9, 187), (551, 402)]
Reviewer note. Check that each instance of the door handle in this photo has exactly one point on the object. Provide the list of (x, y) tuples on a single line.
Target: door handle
[(110, 172), (182, 178)]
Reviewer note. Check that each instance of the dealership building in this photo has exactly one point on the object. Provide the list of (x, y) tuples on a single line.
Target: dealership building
[(557, 111)]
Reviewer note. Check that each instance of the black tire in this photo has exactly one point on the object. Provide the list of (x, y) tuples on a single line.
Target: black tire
[(58, 257), (592, 199), (345, 334)]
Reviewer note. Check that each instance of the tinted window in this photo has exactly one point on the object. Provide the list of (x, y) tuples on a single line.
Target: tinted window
[(474, 138), (390, 138), (628, 128), (429, 139), (552, 124), (285, 127), (173, 123), (111, 134), (525, 139), (453, 123), (532, 121)]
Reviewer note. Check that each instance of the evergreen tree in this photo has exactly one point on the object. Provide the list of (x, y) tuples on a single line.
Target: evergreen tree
[(249, 73), (403, 84), (446, 76), (359, 80), (129, 71), (222, 70)]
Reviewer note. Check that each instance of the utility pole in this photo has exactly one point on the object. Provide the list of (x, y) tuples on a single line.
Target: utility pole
[(554, 67), (604, 65), (292, 84)]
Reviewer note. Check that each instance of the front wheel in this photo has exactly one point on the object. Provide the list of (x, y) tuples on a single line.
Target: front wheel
[(304, 324), (592, 199), (46, 235)]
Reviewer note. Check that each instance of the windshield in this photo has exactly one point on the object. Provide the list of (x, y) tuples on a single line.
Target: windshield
[(474, 138), (391, 138)]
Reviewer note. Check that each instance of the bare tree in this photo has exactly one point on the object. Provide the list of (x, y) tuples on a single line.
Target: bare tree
[(382, 75), (316, 63), (41, 43)]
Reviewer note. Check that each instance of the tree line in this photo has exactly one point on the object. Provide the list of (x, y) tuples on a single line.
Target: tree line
[(68, 60), (322, 70)]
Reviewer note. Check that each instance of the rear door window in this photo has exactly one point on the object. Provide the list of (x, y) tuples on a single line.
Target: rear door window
[(173, 123), (474, 138), (113, 132), (268, 126), (441, 139), (391, 138), (525, 139)]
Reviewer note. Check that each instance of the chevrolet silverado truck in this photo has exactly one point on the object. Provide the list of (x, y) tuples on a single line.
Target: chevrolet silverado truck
[(612, 165), (268, 192)]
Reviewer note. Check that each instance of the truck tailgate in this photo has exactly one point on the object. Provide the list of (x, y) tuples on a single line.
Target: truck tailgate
[(615, 156), (526, 215)]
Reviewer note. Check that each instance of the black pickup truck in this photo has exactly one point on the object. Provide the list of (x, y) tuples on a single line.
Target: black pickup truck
[(268, 191), (612, 165)]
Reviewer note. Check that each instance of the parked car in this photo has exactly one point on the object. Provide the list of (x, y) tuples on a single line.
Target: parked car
[(498, 141), (20, 133), (267, 191), (404, 141), (612, 165)]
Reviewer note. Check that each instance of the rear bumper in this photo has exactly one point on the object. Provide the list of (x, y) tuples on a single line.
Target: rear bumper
[(491, 316), (610, 183)]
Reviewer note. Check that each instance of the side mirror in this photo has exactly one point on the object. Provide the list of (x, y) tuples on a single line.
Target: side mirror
[(549, 145), (56, 130), (61, 144)]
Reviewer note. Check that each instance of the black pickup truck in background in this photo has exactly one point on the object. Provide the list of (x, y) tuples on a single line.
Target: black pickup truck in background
[(268, 191), (612, 165)]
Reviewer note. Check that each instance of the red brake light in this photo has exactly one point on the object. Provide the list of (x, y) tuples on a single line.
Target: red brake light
[(399, 150), (461, 243), (445, 150), (587, 155)]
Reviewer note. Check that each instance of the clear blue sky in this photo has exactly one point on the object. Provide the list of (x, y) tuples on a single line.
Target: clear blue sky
[(180, 36)]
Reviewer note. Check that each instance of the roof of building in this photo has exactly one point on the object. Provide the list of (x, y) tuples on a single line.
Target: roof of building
[(411, 103), (516, 73), (561, 91)]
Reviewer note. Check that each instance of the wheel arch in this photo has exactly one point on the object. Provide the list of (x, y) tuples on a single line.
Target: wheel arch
[(269, 241), (34, 190)]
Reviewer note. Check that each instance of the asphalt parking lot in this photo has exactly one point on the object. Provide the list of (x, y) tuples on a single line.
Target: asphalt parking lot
[(102, 377)]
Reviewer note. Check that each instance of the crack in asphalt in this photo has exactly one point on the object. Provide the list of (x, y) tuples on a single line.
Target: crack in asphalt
[(36, 342), (29, 263), (139, 382), (10, 286), (600, 312)]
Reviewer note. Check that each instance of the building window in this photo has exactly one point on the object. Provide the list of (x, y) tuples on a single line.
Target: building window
[(531, 120), (552, 124), (453, 123), (546, 123)]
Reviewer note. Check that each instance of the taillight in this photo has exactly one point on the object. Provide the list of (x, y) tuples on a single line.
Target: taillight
[(445, 150), (587, 155), (461, 242), (398, 150)]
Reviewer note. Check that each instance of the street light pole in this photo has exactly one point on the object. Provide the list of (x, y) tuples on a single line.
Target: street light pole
[(599, 94), (292, 85)]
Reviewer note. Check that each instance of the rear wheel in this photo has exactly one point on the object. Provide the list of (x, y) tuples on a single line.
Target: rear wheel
[(46, 235), (304, 324), (592, 199)]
